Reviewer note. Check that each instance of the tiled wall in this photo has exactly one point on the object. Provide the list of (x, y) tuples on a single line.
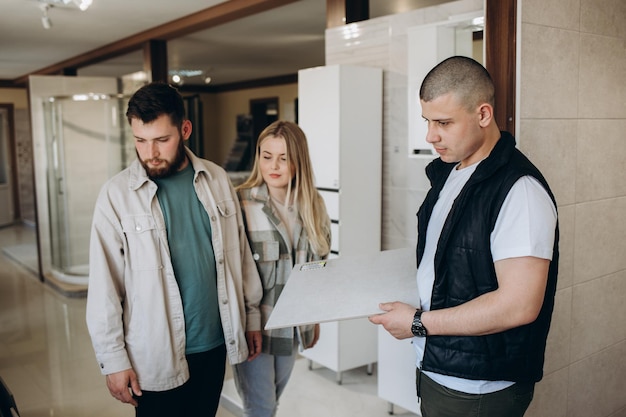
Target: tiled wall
[(572, 125), (382, 42)]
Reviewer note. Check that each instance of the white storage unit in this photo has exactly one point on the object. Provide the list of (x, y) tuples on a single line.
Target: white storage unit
[(396, 372), (340, 111)]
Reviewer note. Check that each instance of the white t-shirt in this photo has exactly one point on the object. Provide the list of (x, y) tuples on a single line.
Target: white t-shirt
[(525, 227)]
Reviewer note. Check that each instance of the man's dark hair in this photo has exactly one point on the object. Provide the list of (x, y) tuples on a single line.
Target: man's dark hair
[(464, 77), (155, 99)]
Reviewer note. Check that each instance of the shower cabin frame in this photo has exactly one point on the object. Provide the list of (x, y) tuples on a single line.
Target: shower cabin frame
[(87, 142), (41, 89)]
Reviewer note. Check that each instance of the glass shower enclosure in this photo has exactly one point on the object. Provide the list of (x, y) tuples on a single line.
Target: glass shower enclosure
[(87, 141)]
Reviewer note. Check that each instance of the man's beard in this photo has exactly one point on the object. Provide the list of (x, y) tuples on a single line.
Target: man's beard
[(169, 168)]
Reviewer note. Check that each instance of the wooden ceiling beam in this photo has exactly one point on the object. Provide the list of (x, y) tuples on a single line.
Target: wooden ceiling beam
[(213, 16)]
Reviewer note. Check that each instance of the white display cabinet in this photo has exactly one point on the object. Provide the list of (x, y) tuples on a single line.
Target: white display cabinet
[(396, 372), (340, 111)]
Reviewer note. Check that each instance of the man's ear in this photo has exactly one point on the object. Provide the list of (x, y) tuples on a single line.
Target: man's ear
[(186, 129), (485, 114)]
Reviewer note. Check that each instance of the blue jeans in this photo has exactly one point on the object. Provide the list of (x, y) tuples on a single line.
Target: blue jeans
[(261, 382)]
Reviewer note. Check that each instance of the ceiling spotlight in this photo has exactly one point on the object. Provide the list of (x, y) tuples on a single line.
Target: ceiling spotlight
[(207, 79), (83, 4), (176, 78), (45, 20)]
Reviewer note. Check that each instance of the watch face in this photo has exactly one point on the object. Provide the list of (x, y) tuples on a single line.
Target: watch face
[(418, 328), (419, 331)]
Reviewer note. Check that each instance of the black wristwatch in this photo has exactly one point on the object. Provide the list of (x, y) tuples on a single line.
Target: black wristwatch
[(417, 328)]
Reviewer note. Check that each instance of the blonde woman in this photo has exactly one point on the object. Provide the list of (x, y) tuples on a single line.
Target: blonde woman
[(287, 223)]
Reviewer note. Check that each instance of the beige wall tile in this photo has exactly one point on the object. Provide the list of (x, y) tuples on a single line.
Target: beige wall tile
[(602, 91), (598, 315), (563, 14), (400, 220), (599, 239), (397, 168), (605, 17), (559, 338), (596, 384), (550, 398), (601, 144), (567, 222), (551, 146), (549, 72)]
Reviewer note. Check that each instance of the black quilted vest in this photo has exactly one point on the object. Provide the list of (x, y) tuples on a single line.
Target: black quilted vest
[(464, 270)]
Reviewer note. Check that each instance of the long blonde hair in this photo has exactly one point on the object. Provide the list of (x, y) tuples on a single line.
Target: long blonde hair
[(310, 203)]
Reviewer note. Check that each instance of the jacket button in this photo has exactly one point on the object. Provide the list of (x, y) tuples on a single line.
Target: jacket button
[(137, 227), (225, 301), (213, 218), (256, 256), (232, 342), (220, 261)]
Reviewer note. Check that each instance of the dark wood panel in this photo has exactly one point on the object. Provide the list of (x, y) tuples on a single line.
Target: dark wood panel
[(155, 60), (500, 56), (341, 12), (335, 13)]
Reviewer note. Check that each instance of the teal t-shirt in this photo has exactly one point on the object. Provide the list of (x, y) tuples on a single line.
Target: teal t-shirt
[(191, 249)]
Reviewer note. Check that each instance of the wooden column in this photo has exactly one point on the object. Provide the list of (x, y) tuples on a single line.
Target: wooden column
[(342, 12), (155, 60), (70, 72), (500, 56)]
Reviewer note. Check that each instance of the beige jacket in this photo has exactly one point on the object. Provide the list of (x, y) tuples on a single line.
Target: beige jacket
[(134, 309)]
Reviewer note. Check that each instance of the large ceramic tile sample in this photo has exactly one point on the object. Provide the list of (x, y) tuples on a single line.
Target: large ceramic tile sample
[(345, 288)]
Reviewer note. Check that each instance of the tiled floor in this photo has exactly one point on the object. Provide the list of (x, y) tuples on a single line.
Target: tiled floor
[(47, 361)]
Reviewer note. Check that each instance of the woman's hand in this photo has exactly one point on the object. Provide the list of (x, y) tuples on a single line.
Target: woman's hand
[(255, 341), (316, 336)]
